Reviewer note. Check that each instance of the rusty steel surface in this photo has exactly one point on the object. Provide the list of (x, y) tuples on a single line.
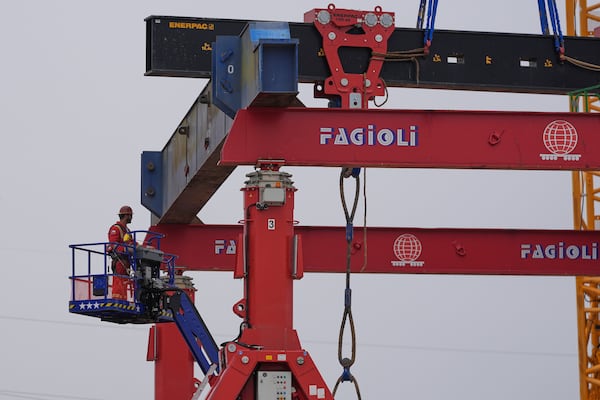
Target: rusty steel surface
[(191, 174)]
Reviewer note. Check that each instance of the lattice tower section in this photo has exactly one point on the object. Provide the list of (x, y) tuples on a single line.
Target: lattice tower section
[(583, 19)]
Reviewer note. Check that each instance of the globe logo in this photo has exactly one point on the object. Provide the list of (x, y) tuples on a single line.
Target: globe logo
[(560, 139), (407, 249)]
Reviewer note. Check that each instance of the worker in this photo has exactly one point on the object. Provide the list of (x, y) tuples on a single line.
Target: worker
[(119, 233)]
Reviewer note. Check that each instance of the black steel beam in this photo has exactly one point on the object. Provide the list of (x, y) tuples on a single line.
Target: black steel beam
[(500, 62)]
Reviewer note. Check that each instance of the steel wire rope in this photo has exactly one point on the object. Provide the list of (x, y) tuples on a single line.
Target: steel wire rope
[(559, 43), (558, 35), (347, 317), (581, 201), (582, 64), (41, 395), (421, 14), (364, 266), (413, 54), (401, 56), (385, 99)]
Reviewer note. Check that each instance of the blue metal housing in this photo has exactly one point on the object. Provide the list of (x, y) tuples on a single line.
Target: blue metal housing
[(152, 187), (277, 69), (226, 78), (259, 68)]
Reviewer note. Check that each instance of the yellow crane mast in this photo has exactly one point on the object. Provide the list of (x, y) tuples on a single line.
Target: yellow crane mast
[(583, 19)]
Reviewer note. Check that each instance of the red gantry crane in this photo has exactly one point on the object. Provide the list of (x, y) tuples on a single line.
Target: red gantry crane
[(249, 115)]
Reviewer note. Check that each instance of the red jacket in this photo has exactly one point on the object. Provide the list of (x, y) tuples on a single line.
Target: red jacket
[(116, 234)]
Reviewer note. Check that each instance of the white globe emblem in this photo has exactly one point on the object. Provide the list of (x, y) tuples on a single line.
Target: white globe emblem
[(407, 247), (560, 138)]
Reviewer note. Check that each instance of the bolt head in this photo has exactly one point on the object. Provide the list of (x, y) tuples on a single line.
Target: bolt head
[(386, 20), (323, 17), (370, 19)]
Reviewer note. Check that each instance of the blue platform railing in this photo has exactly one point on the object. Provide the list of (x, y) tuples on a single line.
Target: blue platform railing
[(91, 293), (91, 275)]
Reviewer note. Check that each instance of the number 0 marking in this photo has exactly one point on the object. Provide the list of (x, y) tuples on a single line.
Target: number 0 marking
[(271, 224), (230, 69)]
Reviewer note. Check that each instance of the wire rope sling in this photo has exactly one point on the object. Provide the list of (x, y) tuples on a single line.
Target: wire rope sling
[(347, 318)]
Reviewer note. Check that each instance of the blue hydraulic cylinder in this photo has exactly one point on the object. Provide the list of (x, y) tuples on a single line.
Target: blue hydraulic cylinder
[(194, 331)]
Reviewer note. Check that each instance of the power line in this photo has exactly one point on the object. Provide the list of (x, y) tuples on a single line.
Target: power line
[(48, 321), (327, 342), (17, 394), (454, 349)]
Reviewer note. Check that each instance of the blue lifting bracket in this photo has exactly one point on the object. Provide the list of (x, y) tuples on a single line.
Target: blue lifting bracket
[(259, 68)]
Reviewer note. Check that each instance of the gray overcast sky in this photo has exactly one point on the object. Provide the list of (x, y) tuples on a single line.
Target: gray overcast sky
[(76, 114)]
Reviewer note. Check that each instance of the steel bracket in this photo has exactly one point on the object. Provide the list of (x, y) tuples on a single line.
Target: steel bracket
[(259, 68), (341, 28)]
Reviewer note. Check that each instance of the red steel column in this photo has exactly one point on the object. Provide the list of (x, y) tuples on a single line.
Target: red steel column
[(267, 266), (173, 361)]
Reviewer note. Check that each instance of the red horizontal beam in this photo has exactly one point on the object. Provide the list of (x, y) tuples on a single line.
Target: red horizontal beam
[(403, 250), (417, 139)]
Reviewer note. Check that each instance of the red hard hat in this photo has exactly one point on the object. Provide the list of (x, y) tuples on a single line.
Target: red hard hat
[(125, 210)]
